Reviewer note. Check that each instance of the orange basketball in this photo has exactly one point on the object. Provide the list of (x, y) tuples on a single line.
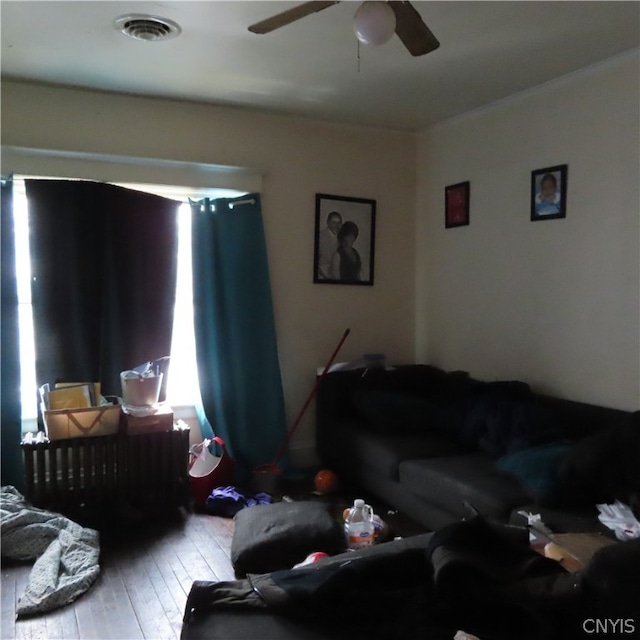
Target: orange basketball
[(326, 481)]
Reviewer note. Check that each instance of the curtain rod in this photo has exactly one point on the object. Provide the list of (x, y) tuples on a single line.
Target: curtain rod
[(235, 203), (246, 201)]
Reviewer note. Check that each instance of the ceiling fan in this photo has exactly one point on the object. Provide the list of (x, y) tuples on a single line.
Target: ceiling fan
[(403, 19)]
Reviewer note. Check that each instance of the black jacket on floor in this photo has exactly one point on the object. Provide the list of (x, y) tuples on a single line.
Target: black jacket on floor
[(474, 575)]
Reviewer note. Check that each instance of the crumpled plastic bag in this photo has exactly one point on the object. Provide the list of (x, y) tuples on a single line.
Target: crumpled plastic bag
[(620, 519)]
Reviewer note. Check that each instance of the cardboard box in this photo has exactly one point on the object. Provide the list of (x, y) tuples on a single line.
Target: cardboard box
[(81, 423), (162, 420), (575, 550)]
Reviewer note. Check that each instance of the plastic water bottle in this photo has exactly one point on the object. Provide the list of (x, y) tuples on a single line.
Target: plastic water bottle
[(358, 525)]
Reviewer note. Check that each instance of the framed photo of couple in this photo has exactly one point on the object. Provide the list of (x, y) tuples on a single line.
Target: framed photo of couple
[(344, 240)]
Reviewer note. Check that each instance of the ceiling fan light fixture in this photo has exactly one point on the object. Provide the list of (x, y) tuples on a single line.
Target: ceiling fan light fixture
[(374, 22)]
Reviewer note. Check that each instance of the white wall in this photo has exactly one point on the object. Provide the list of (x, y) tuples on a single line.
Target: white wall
[(297, 158), (556, 302)]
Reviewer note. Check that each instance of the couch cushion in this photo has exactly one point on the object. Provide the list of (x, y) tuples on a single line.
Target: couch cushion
[(451, 481), (420, 380), (603, 467), (269, 537), (390, 413), (385, 453), (612, 576), (536, 468)]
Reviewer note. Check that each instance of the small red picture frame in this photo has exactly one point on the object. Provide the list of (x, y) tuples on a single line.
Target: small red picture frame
[(456, 204)]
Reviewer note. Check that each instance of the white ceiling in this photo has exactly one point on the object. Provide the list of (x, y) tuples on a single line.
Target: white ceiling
[(489, 50)]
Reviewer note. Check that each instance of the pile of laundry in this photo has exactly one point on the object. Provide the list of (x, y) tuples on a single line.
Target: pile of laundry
[(227, 501), (66, 554)]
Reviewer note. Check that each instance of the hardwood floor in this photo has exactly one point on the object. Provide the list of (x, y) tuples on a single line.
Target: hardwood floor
[(146, 574), (142, 587)]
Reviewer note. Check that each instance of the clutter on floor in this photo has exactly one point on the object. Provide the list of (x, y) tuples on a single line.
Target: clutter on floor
[(66, 554), (280, 535), (227, 501)]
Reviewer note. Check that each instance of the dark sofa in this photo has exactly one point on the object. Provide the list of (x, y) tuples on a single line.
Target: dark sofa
[(437, 445), (473, 575)]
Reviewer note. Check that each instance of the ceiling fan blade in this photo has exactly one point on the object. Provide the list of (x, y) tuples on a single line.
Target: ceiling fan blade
[(289, 16), (411, 29)]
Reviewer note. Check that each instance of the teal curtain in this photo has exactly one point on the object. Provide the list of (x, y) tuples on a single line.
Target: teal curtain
[(11, 422), (236, 349)]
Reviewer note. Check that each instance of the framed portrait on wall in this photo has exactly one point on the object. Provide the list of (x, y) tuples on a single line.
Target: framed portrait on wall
[(549, 193), (344, 240), (456, 205)]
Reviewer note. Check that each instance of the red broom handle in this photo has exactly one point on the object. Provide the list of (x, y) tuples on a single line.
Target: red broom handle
[(296, 422)]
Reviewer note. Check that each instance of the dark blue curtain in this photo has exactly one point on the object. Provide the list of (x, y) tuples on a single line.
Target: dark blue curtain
[(11, 421), (236, 347), (104, 263)]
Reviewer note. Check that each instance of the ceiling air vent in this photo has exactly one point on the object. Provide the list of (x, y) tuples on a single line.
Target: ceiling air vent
[(149, 28)]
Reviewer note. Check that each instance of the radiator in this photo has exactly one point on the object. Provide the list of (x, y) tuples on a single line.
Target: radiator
[(142, 470)]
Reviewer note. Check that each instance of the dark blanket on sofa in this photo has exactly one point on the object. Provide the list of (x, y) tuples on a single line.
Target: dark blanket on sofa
[(494, 417), (501, 417), (473, 575)]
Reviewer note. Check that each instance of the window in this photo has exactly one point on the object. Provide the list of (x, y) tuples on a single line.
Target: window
[(182, 384), (28, 389)]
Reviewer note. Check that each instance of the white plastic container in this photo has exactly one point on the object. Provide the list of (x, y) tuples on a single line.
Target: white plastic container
[(358, 525), (140, 393)]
